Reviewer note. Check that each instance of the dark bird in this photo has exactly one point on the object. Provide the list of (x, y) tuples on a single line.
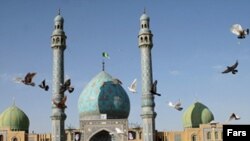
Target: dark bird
[(232, 68), (28, 79), (44, 86), (66, 86), (153, 89), (239, 31), (60, 104), (233, 116)]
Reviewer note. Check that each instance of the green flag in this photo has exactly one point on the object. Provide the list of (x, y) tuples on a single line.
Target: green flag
[(105, 55)]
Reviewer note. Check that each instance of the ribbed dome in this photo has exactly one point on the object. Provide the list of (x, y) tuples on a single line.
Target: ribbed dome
[(102, 96), (196, 114), (15, 119)]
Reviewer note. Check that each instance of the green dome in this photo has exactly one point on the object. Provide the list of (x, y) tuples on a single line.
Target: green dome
[(196, 114), (102, 96), (15, 119)]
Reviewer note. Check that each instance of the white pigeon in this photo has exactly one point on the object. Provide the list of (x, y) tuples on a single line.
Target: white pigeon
[(177, 105), (239, 31), (119, 131), (132, 87)]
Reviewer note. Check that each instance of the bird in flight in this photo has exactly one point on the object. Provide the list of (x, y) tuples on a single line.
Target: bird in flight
[(60, 104), (44, 86), (153, 89), (66, 86), (239, 31), (133, 86), (233, 116), (232, 68), (119, 131), (27, 79), (176, 105)]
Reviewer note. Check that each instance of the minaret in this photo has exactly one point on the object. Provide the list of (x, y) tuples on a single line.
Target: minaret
[(146, 44), (58, 45)]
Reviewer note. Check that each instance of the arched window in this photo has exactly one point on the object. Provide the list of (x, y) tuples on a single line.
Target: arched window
[(62, 41), (216, 135), (53, 40), (57, 26), (140, 135), (14, 139), (141, 39), (145, 25), (1, 137), (146, 39), (142, 26), (57, 40), (208, 135), (194, 137)]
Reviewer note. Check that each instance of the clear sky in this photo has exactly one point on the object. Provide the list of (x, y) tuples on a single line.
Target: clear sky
[(192, 46)]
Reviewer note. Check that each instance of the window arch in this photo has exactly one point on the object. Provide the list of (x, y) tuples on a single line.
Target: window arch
[(142, 26), (146, 39), (216, 135), (57, 40), (14, 139), (194, 137), (141, 39), (208, 135)]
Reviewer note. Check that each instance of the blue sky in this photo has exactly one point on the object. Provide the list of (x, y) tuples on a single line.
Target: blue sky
[(192, 46)]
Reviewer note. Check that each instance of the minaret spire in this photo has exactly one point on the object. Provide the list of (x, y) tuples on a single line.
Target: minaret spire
[(59, 11), (103, 65), (145, 45)]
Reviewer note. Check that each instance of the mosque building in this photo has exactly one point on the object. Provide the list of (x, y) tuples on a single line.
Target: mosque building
[(104, 107)]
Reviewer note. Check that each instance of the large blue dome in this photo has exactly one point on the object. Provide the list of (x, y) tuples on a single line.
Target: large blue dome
[(102, 96)]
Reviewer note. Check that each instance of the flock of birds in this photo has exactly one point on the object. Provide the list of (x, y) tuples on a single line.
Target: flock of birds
[(241, 33), (28, 79), (66, 86)]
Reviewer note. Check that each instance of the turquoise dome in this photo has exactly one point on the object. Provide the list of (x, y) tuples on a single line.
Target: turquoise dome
[(102, 96)]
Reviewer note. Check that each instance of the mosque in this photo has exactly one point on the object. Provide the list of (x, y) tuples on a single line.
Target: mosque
[(104, 106)]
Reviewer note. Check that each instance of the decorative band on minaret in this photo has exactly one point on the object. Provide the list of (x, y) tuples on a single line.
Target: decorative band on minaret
[(146, 44), (58, 45)]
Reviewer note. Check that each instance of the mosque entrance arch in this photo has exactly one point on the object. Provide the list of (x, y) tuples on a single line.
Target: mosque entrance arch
[(101, 136)]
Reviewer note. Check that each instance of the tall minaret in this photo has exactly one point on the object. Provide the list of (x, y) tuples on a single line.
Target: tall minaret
[(146, 44), (58, 45)]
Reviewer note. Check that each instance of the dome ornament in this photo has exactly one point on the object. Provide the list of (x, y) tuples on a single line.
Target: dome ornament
[(59, 11)]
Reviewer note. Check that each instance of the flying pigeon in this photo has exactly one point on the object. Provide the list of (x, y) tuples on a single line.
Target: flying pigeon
[(154, 88), (232, 68), (66, 86), (239, 31), (177, 105), (44, 86), (27, 79), (119, 131), (60, 104), (132, 87), (234, 116)]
